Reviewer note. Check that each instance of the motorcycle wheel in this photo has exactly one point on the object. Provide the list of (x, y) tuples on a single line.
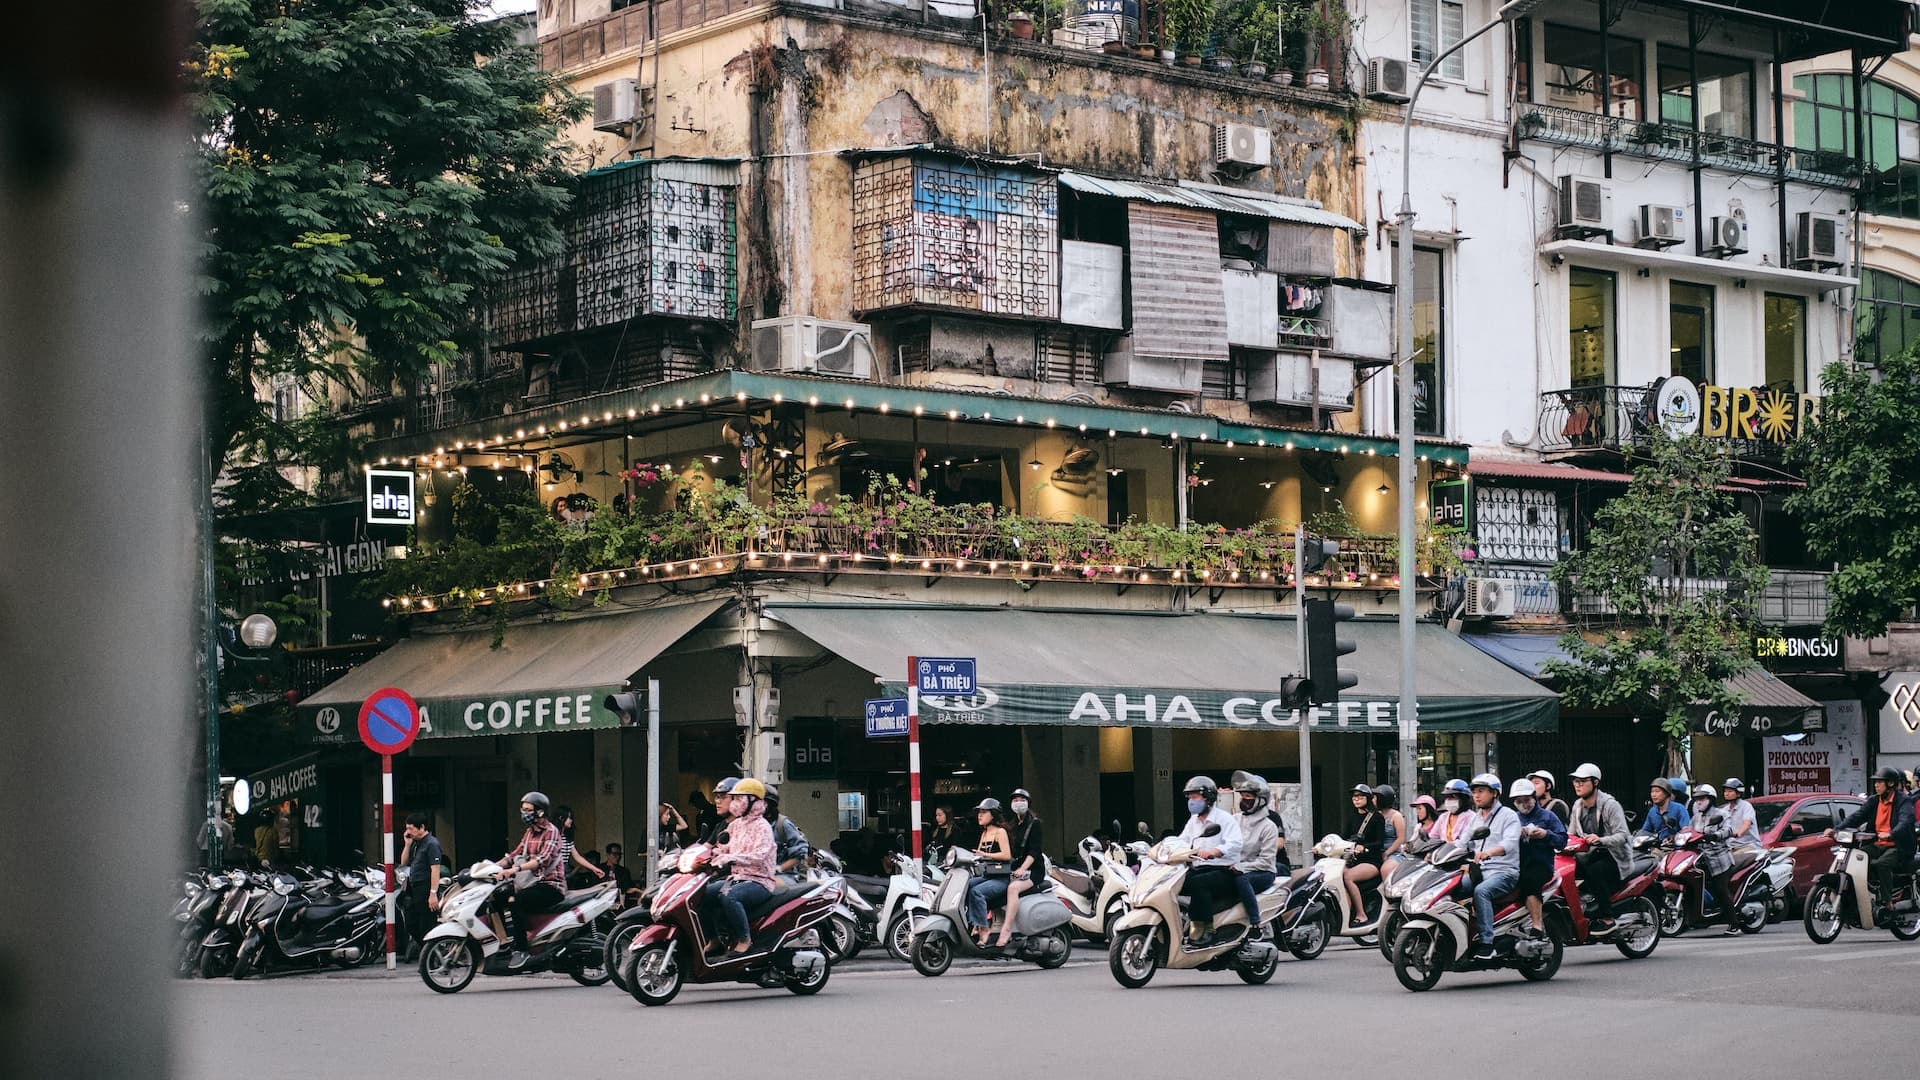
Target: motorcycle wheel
[(932, 954), (1544, 969), (1063, 937), (245, 961), (899, 939), (619, 943), (1752, 924), (213, 963), (1389, 930), (1673, 914), (1820, 915), (1646, 935), (841, 941), (590, 966), (1420, 957), (448, 964), (1258, 974), (812, 984), (1905, 927), (1132, 958), (1113, 913), (1317, 934), (655, 977)]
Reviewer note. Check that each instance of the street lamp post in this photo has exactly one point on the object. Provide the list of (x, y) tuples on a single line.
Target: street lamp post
[(1403, 318)]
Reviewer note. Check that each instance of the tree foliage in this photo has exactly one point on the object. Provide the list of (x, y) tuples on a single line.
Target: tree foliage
[(365, 168), (1861, 458), (1677, 565)]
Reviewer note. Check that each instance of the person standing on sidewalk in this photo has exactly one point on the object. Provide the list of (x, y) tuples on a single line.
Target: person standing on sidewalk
[(422, 856)]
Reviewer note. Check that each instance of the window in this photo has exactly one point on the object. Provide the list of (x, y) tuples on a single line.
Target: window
[(1435, 26), (1726, 92), (1429, 341), (1573, 63), (1690, 319), (1888, 316), (1824, 122), (1812, 817), (286, 400), (1589, 328), (1786, 340)]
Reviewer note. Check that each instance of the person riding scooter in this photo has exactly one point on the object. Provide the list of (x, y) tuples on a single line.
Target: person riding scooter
[(540, 877), (1542, 782), (1254, 872), (1892, 816), (1598, 817), (1456, 804), (1666, 814), (1716, 861), (790, 844), (1497, 853), (748, 856), (720, 804), (1210, 881), (1743, 826), (1369, 840), (1541, 834)]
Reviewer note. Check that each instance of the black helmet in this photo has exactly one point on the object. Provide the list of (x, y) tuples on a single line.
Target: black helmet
[(538, 801), (1361, 789), (1667, 786), (1734, 785), (1204, 786), (988, 804), (1890, 775), (1388, 797), (1249, 784)]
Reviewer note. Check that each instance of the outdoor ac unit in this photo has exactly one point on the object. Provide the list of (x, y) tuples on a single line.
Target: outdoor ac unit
[(1660, 224), (616, 105), (1488, 598), (1585, 204), (1242, 144), (1729, 234), (1818, 241), (817, 346), (1388, 79)]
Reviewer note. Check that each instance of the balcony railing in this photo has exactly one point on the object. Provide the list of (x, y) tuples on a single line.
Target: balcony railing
[(1595, 418), (311, 669), (1675, 142), (1791, 598)]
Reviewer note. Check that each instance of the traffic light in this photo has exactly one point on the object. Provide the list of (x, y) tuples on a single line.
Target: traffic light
[(1317, 551), (627, 704), (1325, 678), (1293, 692)]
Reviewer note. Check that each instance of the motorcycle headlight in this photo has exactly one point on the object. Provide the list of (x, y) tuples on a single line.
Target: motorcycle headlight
[(1426, 899)]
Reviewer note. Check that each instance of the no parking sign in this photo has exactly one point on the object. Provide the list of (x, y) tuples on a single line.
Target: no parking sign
[(389, 720)]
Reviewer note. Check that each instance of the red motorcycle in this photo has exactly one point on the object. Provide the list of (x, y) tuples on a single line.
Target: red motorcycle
[(1683, 902), (673, 950), (1636, 923)]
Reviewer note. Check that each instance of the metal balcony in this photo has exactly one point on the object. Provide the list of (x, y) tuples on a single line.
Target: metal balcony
[(1676, 142), (1595, 418)]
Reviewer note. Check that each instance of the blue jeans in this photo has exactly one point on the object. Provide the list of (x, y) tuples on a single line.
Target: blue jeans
[(1493, 883), (981, 892), (1250, 885), (733, 898)]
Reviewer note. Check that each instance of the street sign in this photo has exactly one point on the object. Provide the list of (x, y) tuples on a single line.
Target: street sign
[(945, 676), (886, 717), (389, 720)]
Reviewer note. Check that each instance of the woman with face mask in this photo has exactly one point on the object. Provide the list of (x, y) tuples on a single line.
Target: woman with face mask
[(1029, 861), (748, 856), (1455, 806)]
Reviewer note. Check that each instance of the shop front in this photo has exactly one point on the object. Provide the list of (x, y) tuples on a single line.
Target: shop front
[(1899, 729)]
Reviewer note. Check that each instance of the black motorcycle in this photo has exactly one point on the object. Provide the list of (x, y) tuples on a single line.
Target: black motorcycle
[(341, 921)]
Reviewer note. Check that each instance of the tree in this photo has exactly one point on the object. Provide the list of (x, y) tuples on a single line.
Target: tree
[(1861, 458), (366, 168), (1677, 564)]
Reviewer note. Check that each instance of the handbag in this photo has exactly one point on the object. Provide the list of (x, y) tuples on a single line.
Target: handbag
[(525, 879)]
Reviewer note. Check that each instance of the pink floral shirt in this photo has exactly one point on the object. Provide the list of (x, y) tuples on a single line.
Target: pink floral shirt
[(749, 851)]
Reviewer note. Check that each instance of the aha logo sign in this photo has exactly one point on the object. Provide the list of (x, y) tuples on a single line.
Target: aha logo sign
[(389, 496)]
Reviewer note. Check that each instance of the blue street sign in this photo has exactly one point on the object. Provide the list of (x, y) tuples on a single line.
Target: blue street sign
[(947, 677), (886, 717)]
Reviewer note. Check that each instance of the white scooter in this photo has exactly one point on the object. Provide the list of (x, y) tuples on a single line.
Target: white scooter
[(465, 943), (1097, 895), (910, 891), (1333, 852)]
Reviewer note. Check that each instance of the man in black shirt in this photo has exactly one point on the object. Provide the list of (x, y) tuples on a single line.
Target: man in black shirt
[(423, 882)]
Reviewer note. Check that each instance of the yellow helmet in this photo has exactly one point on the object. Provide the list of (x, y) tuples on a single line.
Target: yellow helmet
[(750, 786)]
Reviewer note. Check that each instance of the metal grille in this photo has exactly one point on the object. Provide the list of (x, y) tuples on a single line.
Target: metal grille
[(1066, 357), (955, 234)]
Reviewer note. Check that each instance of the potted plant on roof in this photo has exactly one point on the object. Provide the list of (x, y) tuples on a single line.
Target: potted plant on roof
[(1259, 35), (1187, 24), (1326, 25)]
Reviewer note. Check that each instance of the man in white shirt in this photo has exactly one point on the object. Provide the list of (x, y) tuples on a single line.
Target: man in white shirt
[(1498, 854), (1209, 881)]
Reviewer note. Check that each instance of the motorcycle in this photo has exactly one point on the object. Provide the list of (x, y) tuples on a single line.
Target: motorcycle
[(339, 921), (1042, 930), (854, 922), (1334, 853), (909, 895), (1305, 924), (786, 928), (465, 943), (216, 951), (1437, 934), (1401, 874), (1843, 896), (196, 913), (1636, 915), (1097, 895), (1683, 903), (1153, 931), (631, 920)]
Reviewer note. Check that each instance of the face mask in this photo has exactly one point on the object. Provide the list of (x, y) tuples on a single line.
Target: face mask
[(528, 817), (1196, 806), (1019, 806), (1248, 803), (1452, 806)]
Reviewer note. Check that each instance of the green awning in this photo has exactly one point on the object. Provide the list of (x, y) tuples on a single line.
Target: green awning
[(1140, 669), (542, 677)]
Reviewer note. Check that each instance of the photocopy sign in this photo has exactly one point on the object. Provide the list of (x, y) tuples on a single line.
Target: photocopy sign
[(390, 497)]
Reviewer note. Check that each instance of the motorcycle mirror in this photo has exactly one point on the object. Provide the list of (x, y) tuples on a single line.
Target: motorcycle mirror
[(1481, 833), (1211, 830)]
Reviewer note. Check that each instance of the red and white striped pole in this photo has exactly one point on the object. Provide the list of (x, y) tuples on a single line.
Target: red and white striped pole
[(913, 751), (386, 842)]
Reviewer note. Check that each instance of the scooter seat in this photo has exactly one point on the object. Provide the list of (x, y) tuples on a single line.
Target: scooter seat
[(319, 913), (778, 897), (1640, 865), (1073, 880), (579, 896), (873, 888), (1744, 856)]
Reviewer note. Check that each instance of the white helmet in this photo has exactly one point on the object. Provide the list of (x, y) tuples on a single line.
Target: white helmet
[(1521, 788), (1587, 771), (1486, 780)]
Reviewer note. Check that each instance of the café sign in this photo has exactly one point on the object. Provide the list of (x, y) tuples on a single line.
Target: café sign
[(1797, 649), (574, 709), (1760, 414)]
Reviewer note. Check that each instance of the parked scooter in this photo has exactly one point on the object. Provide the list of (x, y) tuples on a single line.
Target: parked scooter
[(1684, 903), (1438, 933), (1096, 895), (217, 950), (633, 919), (909, 895), (1843, 896), (854, 922), (195, 915), (1334, 853), (466, 943), (1042, 926), (1154, 930), (673, 950), (329, 921), (1636, 913)]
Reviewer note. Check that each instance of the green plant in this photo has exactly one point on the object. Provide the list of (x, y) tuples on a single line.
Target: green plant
[(1188, 22)]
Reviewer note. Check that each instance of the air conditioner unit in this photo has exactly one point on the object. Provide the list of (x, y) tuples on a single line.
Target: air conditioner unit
[(1660, 225), (1488, 598), (1729, 234), (1388, 79), (803, 343), (1585, 204), (1818, 241), (616, 105), (1245, 145)]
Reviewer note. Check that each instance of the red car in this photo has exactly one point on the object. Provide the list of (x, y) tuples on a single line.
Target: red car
[(1797, 822)]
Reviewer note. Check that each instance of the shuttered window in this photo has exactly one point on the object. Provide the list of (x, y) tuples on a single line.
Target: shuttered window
[(1179, 303)]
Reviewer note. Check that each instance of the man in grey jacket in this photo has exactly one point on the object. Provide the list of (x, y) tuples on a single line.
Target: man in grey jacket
[(1259, 846), (1498, 853), (1598, 817)]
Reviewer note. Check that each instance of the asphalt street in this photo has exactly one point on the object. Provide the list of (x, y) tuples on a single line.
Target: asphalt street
[(1769, 1005)]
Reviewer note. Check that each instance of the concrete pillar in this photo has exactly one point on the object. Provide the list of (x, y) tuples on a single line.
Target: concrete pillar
[(1153, 779), (1061, 767), (609, 809)]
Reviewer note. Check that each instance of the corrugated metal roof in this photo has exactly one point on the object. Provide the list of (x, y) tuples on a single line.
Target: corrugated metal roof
[(1541, 470), (1205, 199), (1760, 689)]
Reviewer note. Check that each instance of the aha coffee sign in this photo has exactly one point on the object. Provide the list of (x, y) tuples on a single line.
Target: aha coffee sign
[(390, 497)]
